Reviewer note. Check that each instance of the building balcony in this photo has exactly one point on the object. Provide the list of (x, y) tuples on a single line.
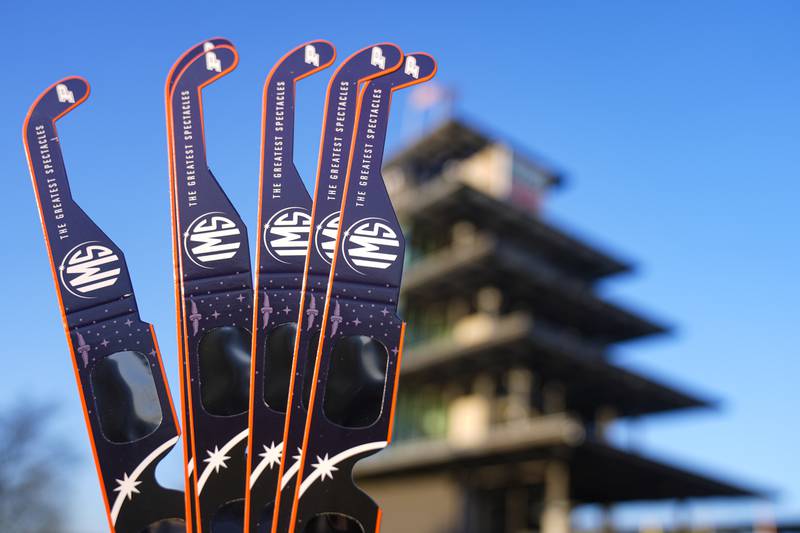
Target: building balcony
[(520, 273), (495, 344), (446, 200), (518, 454)]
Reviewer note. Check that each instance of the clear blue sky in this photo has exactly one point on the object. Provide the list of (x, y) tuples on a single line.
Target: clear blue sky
[(677, 123)]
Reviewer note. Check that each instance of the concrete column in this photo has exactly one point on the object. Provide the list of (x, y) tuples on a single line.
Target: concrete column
[(556, 513), (607, 520)]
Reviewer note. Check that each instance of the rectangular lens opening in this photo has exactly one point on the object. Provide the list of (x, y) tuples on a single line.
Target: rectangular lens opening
[(278, 353), (356, 381), (126, 397), (225, 371), (333, 523)]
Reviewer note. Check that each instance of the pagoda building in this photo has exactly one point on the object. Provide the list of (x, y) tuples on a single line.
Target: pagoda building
[(508, 386)]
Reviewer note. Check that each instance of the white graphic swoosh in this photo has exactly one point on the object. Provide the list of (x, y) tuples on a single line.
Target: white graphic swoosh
[(120, 499), (289, 474), (259, 468), (338, 458), (225, 449)]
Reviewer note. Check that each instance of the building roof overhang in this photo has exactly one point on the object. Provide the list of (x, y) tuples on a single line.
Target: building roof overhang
[(490, 261), (456, 139), (598, 472), (442, 201), (605, 474), (589, 379)]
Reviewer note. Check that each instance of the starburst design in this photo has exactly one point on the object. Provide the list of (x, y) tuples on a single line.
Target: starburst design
[(325, 467), (215, 314), (216, 459), (356, 322), (127, 487), (299, 454), (272, 454)]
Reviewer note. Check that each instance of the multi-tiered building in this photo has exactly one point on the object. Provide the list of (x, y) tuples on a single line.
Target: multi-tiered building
[(507, 387)]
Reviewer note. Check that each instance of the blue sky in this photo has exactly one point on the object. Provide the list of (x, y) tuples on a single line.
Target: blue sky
[(677, 124)]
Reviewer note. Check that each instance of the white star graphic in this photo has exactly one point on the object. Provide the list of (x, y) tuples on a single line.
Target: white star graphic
[(127, 487), (325, 467), (128, 322), (272, 454), (105, 343), (385, 312), (215, 314), (240, 298), (356, 322), (299, 454), (216, 459)]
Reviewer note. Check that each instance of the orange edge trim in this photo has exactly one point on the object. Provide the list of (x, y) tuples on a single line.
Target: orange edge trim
[(312, 397), (257, 266), (179, 277), (303, 294), (187, 444), (55, 276)]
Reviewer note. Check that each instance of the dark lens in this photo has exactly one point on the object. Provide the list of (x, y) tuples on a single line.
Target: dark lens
[(172, 525), (356, 379), (265, 520), (225, 371), (333, 523), (308, 369), (126, 397), (229, 518), (278, 353)]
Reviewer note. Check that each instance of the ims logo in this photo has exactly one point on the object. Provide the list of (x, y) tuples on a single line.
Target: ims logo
[(377, 59), (210, 238), (88, 267), (311, 55), (325, 236), (65, 96), (286, 234), (370, 243), (212, 61)]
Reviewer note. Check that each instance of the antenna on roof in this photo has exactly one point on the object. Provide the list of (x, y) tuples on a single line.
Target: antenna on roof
[(427, 106)]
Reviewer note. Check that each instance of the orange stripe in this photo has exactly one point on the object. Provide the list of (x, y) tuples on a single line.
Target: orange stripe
[(256, 283), (188, 503), (326, 308), (328, 295), (55, 279), (312, 396), (301, 308), (389, 431), (179, 278), (164, 378)]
